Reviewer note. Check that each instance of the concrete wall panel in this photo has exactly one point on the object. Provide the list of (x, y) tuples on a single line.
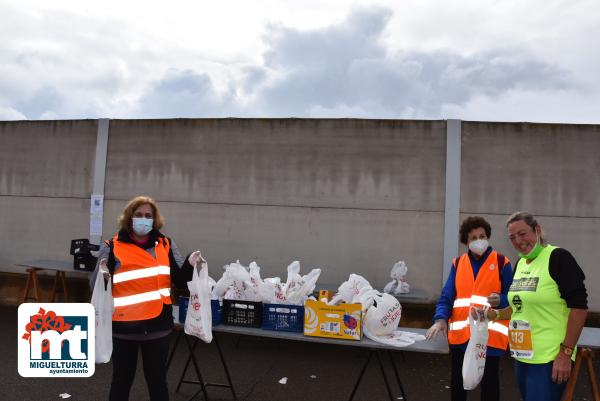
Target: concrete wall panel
[(366, 164), (47, 158), (40, 228), (548, 169), (344, 195), (339, 241)]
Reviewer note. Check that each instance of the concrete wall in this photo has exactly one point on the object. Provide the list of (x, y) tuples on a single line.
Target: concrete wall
[(343, 195), (45, 184), (550, 170)]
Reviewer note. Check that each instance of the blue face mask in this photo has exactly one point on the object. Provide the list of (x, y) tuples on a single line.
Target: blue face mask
[(142, 225)]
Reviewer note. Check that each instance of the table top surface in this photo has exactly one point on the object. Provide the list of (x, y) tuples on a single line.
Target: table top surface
[(435, 346), (48, 264), (590, 338), (438, 345)]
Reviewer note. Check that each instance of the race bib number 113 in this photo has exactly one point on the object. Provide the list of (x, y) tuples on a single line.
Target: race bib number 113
[(519, 338)]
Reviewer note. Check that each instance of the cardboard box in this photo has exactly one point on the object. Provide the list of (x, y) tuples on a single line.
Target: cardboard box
[(342, 321), (326, 295)]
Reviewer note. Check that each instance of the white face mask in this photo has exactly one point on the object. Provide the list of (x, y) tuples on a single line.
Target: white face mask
[(479, 246), (141, 225)]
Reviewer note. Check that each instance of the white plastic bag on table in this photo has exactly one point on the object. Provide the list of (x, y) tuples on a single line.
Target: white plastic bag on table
[(396, 338), (275, 285), (475, 354), (382, 313), (253, 290), (239, 275), (350, 290), (302, 287), (103, 303), (398, 286), (198, 321), (221, 286)]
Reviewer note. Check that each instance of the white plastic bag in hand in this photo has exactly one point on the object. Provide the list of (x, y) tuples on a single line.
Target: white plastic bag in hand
[(198, 321), (475, 354), (103, 303), (211, 286)]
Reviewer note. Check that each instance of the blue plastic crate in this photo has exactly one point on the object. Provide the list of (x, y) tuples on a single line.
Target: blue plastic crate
[(215, 307), (282, 317)]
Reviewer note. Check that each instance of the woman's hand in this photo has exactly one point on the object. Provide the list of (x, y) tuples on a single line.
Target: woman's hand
[(440, 326), (494, 299), (195, 258), (561, 368), (104, 269)]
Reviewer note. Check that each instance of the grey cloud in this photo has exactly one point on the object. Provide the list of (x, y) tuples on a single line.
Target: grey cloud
[(347, 64), (185, 94), (342, 70), (42, 103)]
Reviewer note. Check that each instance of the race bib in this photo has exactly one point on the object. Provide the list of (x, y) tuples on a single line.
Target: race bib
[(519, 338)]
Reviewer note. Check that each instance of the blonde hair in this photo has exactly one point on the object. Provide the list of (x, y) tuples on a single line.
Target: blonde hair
[(124, 220)]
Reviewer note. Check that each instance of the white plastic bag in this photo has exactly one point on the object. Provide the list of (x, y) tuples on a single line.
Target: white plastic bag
[(198, 321), (398, 286), (349, 291), (382, 313), (396, 338), (103, 303), (381, 318), (239, 275), (474, 362)]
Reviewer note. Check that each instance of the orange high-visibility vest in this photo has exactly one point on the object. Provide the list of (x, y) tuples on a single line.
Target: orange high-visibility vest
[(474, 292), (142, 284)]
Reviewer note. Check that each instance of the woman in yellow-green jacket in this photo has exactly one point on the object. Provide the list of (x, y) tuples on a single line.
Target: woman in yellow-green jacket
[(548, 308)]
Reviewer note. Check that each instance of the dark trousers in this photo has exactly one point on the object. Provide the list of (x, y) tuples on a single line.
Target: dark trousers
[(490, 383), (535, 382), (154, 357)]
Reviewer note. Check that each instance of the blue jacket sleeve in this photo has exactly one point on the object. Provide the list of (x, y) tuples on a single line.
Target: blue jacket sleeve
[(506, 276), (443, 308)]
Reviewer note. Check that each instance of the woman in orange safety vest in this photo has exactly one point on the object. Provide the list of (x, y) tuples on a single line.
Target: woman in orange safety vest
[(144, 264), (480, 277)]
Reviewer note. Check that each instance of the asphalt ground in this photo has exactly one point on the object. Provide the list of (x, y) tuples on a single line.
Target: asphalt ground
[(315, 372)]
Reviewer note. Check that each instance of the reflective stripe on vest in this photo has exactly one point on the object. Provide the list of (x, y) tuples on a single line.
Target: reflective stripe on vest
[(143, 297), (495, 326), (475, 299), (142, 283), (474, 292), (141, 273)]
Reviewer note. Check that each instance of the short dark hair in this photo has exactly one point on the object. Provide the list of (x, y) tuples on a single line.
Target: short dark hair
[(471, 223)]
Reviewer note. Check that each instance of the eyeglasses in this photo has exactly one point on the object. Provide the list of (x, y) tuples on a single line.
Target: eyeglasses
[(140, 214)]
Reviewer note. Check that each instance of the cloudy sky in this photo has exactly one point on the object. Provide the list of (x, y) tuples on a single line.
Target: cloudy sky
[(492, 60)]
